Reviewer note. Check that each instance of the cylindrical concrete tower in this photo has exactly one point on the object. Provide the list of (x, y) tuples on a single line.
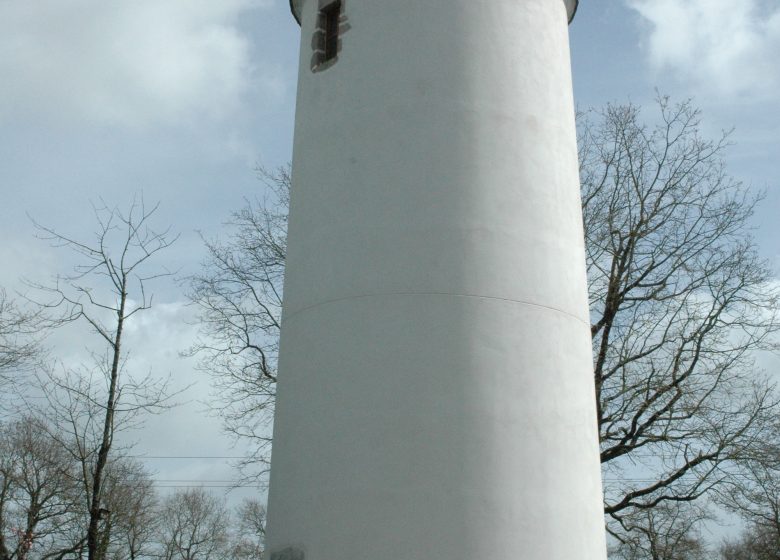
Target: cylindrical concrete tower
[(436, 397)]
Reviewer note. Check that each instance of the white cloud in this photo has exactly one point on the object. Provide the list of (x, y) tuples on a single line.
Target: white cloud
[(125, 62), (720, 46)]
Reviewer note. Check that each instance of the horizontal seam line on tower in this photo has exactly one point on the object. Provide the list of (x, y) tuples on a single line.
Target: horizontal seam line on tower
[(496, 298)]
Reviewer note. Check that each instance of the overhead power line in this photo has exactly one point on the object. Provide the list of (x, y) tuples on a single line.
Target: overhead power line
[(188, 457)]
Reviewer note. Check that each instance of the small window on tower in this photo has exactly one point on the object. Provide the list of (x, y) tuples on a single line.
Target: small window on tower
[(330, 19), (332, 24)]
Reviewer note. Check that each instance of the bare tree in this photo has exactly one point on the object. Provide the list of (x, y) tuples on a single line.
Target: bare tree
[(680, 302), (38, 497), (193, 525), (757, 500), (105, 291), (666, 532), (19, 343), (755, 543), (130, 513), (43, 507), (249, 536), (239, 293)]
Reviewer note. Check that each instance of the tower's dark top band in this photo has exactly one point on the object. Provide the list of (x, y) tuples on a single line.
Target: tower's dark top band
[(295, 9)]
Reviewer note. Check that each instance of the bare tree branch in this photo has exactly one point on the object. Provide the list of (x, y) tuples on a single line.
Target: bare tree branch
[(20, 339), (87, 406), (239, 296), (680, 304)]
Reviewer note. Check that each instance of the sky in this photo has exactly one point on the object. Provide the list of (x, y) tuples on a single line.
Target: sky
[(180, 100)]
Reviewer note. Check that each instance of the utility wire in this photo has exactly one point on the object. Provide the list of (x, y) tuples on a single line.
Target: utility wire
[(187, 457)]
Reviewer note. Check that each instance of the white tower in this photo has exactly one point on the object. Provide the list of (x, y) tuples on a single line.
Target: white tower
[(436, 397)]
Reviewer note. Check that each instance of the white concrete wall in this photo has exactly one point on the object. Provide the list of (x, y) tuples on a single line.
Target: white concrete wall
[(436, 397)]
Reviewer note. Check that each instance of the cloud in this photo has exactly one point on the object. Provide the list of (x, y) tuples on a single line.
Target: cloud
[(126, 63), (721, 46)]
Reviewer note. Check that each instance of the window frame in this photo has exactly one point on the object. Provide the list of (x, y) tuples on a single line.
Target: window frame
[(331, 20)]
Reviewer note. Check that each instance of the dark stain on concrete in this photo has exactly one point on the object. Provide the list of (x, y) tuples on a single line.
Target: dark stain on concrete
[(289, 553)]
